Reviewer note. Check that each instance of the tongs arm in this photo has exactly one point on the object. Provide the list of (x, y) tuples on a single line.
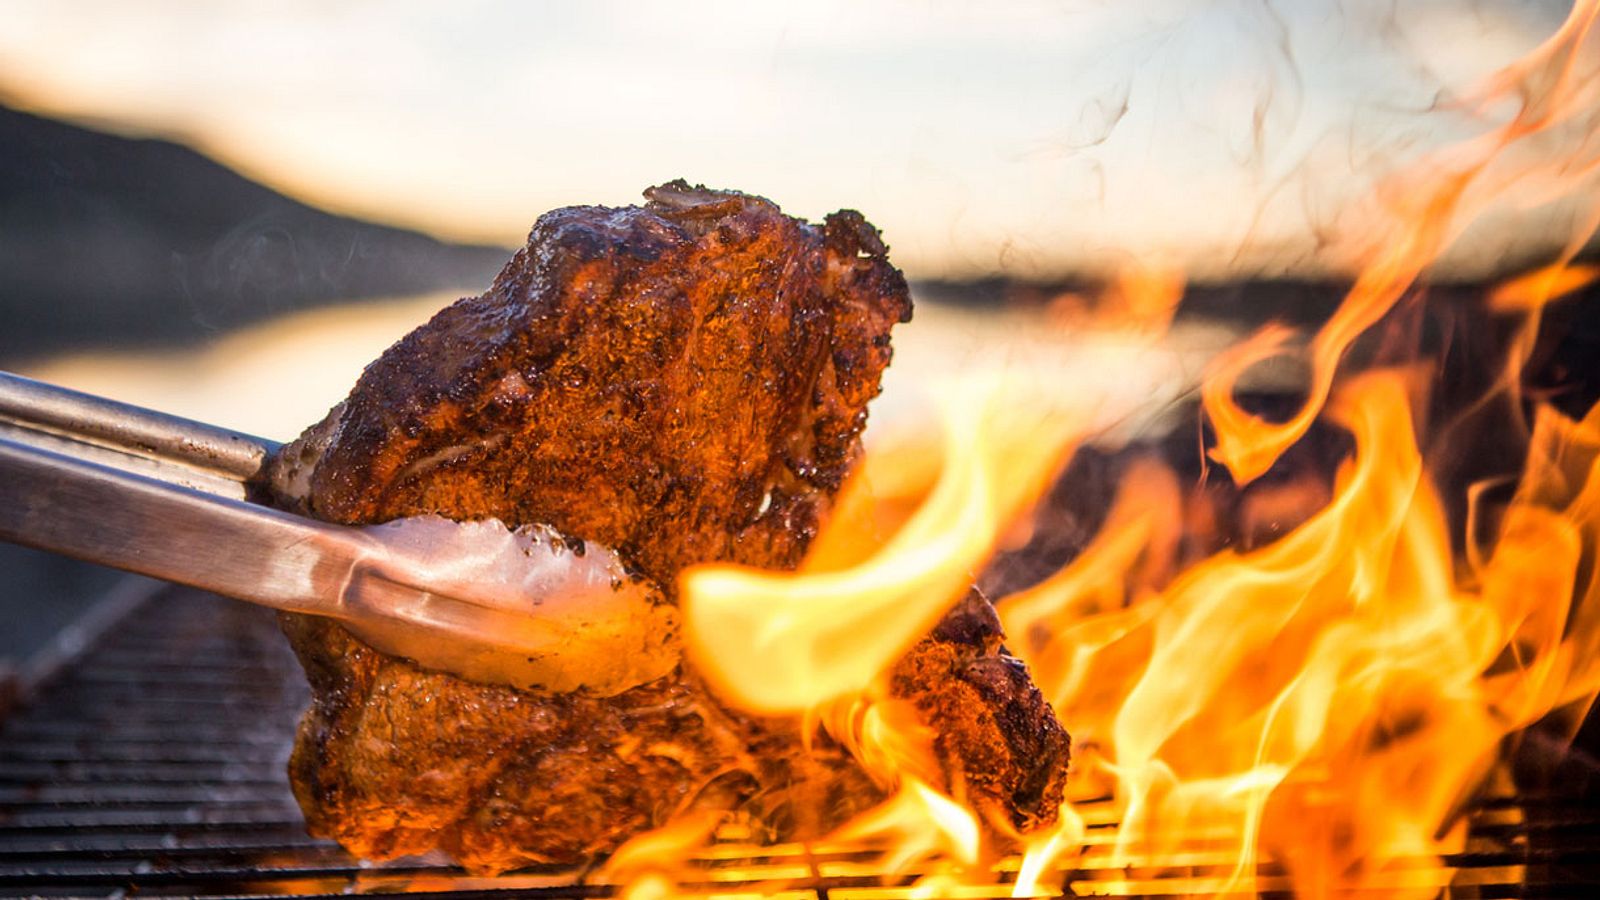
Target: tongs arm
[(140, 524), (152, 493), (163, 496), (127, 437)]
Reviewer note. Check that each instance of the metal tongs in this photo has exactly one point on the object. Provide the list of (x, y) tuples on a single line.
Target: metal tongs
[(180, 500)]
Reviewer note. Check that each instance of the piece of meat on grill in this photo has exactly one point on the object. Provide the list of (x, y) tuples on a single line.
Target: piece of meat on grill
[(683, 382)]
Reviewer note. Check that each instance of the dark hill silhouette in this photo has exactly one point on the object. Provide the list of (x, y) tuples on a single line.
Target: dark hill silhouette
[(110, 240)]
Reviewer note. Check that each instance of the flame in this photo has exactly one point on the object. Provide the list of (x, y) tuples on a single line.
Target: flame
[(907, 817), (1327, 699), (1331, 698), (649, 864), (1422, 208), (1141, 298), (1281, 650), (1532, 291), (783, 643)]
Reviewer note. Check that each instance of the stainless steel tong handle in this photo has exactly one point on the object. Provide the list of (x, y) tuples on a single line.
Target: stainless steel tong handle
[(130, 438), (171, 498), (156, 494)]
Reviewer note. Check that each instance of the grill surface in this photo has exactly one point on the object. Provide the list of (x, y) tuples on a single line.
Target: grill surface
[(154, 764)]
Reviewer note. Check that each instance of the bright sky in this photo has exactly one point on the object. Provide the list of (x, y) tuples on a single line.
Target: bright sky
[(1034, 137)]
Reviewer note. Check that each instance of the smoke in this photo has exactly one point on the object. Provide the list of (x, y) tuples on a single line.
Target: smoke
[(1241, 136)]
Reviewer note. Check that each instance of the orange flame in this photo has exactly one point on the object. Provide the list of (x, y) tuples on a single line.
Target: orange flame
[(1424, 206), (1133, 552), (783, 643), (1142, 297), (1533, 290), (649, 863), (1330, 698)]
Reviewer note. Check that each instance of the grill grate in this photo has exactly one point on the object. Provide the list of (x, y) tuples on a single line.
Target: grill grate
[(155, 764)]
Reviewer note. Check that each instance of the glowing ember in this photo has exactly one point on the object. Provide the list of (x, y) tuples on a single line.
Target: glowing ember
[(1328, 699)]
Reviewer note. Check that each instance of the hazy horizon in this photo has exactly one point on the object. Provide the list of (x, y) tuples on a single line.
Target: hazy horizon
[(1036, 139)]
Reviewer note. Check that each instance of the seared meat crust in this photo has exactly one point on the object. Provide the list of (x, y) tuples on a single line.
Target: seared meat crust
[(703, 361), (684, 382), (394, 760)]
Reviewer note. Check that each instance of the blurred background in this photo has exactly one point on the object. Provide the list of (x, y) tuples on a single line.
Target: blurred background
[(226, 210)]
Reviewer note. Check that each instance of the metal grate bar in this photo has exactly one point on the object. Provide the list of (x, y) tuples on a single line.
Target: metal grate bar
[(156, 764)]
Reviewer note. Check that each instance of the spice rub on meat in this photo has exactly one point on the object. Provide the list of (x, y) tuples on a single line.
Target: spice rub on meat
[(682, 382)]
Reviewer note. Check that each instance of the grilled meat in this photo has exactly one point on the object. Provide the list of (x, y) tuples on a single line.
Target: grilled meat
[(683, 382)]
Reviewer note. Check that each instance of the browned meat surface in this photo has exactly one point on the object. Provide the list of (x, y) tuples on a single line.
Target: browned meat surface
[(683, 382)]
